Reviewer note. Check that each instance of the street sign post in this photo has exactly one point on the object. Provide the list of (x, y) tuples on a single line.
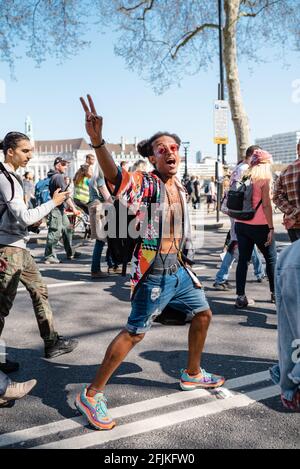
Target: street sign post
[(221, 109)]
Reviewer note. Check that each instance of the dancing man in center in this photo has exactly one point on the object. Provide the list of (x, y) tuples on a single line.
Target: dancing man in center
[(161, 274)]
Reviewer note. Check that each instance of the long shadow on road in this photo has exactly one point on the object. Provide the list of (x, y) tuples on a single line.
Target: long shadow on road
[(55, 379), (230, 366)]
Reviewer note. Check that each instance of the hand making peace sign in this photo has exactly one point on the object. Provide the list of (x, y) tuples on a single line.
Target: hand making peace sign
[(93, 122)]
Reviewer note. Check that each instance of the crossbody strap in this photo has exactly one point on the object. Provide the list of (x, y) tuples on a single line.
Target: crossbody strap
[(258, 205), (9, 178)]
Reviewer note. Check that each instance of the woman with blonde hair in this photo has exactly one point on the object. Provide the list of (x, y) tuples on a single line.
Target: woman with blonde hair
[(260, 230)]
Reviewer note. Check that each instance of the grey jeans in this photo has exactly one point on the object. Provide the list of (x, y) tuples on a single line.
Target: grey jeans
[(4, 382)]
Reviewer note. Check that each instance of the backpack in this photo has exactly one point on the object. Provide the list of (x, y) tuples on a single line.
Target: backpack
[(42, 192), (121, 248), (7, 174), (171, 317), (239, 200), (10, 179), (189, 187)]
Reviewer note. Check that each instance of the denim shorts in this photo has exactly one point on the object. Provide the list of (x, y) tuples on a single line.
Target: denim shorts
[(158, 291)]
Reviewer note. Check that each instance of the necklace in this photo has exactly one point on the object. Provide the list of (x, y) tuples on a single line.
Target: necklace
[(172, 193)]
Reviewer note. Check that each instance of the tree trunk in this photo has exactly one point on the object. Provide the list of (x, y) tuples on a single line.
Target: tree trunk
[(238, 113)]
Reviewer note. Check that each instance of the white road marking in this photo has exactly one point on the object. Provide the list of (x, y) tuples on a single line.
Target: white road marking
[(155, 423), (126, 410), (59, 285)]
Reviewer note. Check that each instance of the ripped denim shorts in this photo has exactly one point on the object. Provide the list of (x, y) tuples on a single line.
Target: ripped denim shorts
[(157, 291)]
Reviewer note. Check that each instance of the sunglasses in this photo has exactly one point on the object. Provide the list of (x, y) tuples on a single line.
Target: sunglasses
[(163, 149)]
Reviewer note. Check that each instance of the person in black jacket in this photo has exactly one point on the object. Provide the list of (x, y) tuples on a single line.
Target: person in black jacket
[(58, 222)]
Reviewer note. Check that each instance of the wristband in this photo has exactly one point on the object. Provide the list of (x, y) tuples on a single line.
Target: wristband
[(103, 142), (271, 229)]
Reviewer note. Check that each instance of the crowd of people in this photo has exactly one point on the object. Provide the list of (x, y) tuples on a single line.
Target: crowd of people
[(162, 258), (197, 187)]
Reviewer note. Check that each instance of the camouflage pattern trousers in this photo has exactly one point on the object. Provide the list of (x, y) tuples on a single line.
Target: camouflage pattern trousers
[(20, 266)]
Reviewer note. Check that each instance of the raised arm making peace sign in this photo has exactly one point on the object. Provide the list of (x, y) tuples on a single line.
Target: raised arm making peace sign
[(93, 122), (93, 125)]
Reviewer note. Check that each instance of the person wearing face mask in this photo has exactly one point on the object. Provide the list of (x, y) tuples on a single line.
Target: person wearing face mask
[(161, 273), (17, 264)]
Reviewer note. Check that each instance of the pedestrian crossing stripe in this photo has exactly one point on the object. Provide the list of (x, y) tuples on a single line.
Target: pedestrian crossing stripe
[(232, 400)]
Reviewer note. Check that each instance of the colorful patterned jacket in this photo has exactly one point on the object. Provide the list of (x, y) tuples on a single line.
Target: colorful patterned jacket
[(138, 190)]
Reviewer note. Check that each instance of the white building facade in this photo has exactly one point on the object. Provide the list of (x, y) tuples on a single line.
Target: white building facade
[(205, 170), (75, 151), (283, 147)]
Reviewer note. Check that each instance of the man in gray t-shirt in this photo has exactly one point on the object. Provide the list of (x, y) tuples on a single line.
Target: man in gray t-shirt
[(16, 263)]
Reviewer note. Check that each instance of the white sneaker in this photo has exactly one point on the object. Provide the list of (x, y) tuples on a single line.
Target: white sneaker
[(52, 260), (16, 391)]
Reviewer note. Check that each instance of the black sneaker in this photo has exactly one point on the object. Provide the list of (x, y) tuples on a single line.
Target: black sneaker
[(75, 255), (60, 347), (260, 279), (242, 302), (273, 298), (223, 286), (9, 367), (220, 286), (8, 404)]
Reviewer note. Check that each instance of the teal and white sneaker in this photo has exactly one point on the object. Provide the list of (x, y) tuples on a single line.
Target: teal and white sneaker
[(95, 410), (202, 380)]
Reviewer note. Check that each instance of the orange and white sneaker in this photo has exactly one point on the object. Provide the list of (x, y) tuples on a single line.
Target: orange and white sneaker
[(201, 380), (94, 409)]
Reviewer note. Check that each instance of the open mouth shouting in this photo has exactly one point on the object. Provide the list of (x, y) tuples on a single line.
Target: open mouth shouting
[(166, 153), (171, 162)]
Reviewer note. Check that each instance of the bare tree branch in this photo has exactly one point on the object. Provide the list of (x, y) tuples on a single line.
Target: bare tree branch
[(188, 36), (142, 18), (33, 18), (127, 10), (244, 14)]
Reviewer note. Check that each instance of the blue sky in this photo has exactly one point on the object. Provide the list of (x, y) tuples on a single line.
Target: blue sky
[(129, 106)]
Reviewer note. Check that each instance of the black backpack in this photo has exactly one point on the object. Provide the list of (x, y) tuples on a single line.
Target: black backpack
[(6, 173), (239, 200), (10, 179), (189, 187), (121, 247), (171, 317)]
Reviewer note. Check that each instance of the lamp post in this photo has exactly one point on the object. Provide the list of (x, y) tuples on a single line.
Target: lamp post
[(220, 158), (221, 87), (186, 147)]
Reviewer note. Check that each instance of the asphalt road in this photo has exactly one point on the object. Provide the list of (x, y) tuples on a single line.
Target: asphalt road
[(144, 395)]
